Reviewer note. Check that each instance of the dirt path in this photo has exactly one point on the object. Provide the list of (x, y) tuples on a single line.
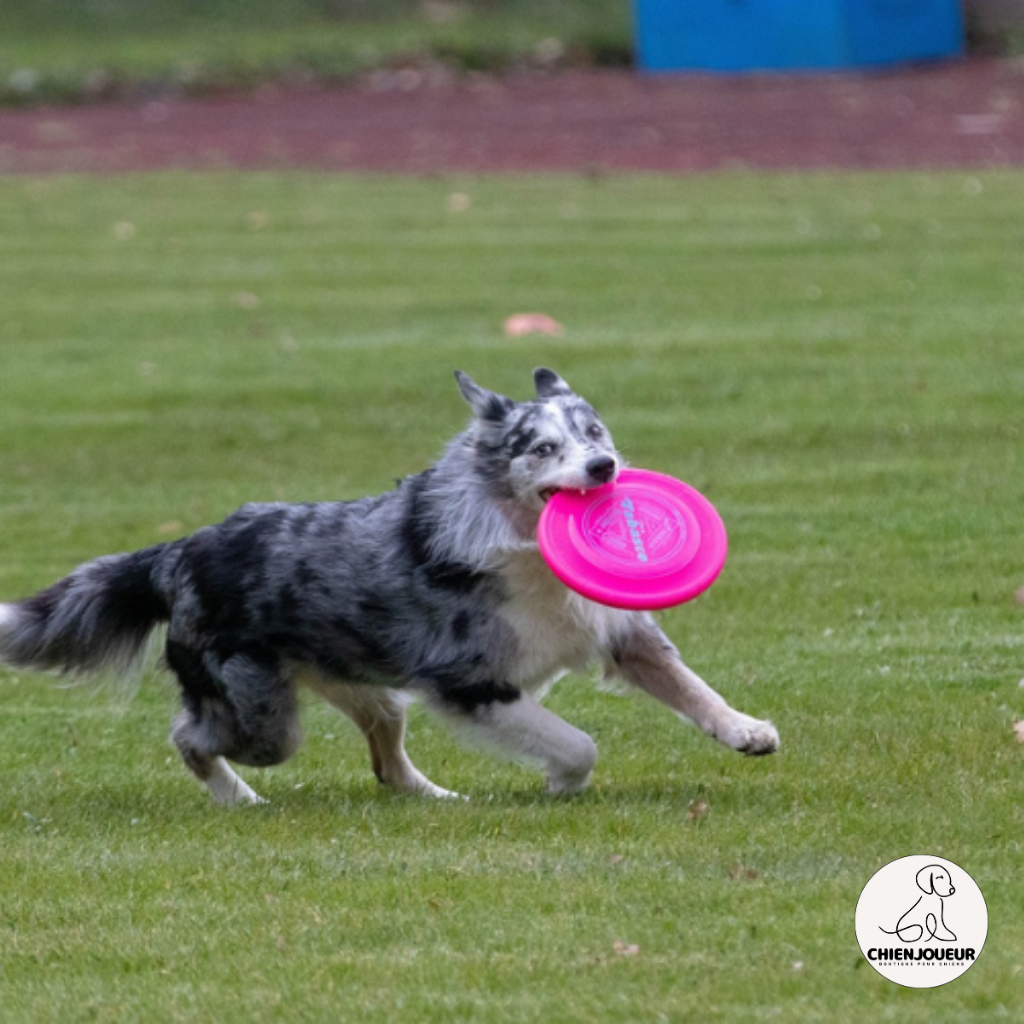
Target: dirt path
[(968, 114)]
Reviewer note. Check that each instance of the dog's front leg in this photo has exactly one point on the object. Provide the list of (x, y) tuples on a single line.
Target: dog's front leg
[(647, 659)]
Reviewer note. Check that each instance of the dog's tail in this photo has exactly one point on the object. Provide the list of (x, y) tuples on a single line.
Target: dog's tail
[(97, 619)]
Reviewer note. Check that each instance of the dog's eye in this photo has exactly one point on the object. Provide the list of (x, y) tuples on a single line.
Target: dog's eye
[(544, 450), (595, 432)]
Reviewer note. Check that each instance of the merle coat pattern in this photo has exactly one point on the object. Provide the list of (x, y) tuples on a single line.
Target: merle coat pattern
[(434, 589)]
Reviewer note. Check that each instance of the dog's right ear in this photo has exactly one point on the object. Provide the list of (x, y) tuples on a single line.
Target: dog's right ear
[(486, 405)]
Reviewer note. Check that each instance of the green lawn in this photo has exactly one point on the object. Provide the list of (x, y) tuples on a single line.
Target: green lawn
[(88, 49), (835, 360)]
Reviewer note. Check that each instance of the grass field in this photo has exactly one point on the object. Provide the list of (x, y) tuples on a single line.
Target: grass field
[(835, 360)]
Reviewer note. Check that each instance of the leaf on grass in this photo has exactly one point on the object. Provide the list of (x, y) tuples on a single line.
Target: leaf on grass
[(742, 874), (520, 324), (697, 810), (626, 949), (458, 202), (1018, 731)]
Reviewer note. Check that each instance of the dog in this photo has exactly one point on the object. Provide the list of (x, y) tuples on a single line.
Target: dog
[(925, 920), (435, 589)]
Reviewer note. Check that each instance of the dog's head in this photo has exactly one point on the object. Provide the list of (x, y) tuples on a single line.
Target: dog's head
[(527, 451), (934, 879)]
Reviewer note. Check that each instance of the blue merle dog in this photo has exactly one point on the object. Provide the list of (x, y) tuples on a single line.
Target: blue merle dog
[(435, 589)]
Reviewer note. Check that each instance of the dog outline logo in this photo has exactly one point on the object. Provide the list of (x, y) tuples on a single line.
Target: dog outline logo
[(925, 920), (906, 930)]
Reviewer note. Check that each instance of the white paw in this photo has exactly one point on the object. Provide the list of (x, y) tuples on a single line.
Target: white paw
[(237, 796), (408, 779), (228, 790), (438, 792), (749, 735)]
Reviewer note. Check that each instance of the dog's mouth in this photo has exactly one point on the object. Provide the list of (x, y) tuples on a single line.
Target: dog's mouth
[(599, 472), (549, 492)]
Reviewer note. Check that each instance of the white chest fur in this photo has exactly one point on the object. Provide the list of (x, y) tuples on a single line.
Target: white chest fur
[(558, 630)]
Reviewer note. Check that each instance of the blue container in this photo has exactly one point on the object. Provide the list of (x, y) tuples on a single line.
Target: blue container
[(762, 35)]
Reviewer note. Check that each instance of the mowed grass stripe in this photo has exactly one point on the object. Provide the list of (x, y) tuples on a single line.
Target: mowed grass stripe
[(834, 359)]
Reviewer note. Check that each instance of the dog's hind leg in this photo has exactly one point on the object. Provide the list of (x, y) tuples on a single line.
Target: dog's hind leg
[(380, 714), (224, 784), (240, 708), (525, 731), (647, 659)]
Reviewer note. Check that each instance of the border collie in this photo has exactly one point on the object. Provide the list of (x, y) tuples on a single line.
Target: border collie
[(434, 589)]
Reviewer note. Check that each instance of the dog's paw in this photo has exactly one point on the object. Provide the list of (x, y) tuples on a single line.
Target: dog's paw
[(438, 793), (567, 785), (236, 794), (750, 736), (408, 779)]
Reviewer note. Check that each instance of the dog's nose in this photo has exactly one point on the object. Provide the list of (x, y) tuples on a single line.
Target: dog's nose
[(601, 469)]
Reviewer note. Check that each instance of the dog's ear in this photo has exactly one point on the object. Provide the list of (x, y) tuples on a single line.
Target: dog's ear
[(549, 384), (486, 405)]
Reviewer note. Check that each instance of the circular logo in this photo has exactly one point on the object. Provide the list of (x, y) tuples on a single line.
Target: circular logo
[(636, 528), (921, 921)]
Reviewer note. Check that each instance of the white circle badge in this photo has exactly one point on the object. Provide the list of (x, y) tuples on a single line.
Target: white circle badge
[(921, 921)]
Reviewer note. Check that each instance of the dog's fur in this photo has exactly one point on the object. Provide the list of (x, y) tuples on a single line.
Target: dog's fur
[(436, 588)]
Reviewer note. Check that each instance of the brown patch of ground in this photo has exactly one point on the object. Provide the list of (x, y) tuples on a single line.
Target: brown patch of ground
[(967, 114)]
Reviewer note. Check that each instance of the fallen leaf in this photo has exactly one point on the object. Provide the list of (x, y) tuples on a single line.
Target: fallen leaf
[(520, 324), (1018, 731), (742, 874), (626, 949), (697, 810)]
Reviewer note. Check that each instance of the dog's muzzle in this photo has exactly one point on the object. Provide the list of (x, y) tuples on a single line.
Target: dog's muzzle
[(602, 469)]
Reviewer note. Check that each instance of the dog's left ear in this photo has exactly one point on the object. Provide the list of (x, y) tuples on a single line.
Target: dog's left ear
[(485, 404), (549, 384)]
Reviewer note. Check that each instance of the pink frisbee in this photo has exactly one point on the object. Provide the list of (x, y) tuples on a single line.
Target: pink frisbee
[(644, 542)]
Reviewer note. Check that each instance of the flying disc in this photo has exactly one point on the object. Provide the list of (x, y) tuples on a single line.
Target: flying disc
[(645, 541)]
